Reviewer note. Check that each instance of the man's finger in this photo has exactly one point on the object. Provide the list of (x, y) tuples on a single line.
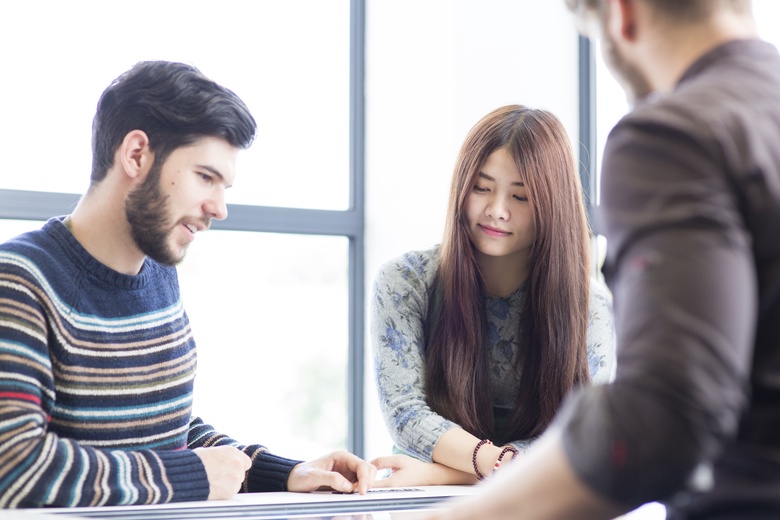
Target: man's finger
[(333, 480), (366, 474)]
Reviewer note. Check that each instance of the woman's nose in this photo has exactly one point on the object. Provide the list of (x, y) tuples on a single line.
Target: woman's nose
[(497, 209)]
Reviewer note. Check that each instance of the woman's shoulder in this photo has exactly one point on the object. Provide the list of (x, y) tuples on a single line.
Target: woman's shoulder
[(412, 265), (406, 282), (601, 333), (599, 294), (600, 321)]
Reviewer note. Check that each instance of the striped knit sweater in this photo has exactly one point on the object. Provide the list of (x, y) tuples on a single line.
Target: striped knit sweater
[(96, 378)]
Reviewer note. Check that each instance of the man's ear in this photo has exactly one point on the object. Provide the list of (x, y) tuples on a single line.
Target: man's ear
[(134, 154), (622, 19)]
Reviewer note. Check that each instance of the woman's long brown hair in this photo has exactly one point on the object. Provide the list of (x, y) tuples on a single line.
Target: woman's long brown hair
[(553, 323)]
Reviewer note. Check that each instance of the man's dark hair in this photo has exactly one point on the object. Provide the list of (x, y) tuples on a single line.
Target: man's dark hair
[(174, 104)]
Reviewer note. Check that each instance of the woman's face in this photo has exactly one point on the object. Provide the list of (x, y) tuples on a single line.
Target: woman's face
[(498, 210)]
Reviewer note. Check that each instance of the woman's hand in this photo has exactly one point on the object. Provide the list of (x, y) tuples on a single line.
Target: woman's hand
[(408, 471)]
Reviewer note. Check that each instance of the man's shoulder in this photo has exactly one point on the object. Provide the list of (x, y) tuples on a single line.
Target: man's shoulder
[(38, 258), (712, 125), (32, 245), (724, 91)]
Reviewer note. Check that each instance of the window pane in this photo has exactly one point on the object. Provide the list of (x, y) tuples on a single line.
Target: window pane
[(288, 60), (269, 314), (11, 228), (767, 14), (611, 105)]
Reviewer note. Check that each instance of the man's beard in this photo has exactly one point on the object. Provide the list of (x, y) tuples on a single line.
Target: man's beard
[(146, 210), (634, 83)]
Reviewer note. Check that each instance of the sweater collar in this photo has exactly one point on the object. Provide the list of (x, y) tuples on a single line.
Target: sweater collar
[(90, 265)]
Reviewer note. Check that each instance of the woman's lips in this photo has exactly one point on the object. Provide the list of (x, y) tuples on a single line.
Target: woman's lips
[(493, 232)]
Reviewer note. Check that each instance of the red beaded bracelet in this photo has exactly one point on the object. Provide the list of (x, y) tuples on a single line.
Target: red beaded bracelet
[(507, 449), (480, 476)]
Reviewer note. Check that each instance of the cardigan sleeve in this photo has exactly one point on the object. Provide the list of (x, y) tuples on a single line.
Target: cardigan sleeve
[(399, 309)]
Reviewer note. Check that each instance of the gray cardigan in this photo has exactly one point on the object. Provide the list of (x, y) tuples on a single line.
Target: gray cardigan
[(399, 308)]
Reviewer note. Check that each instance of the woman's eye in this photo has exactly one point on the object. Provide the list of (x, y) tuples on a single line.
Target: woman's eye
[(521, 198), (480, 189)]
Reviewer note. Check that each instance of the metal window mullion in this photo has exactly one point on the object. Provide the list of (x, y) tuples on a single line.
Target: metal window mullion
[(355, 364), (587, 127)]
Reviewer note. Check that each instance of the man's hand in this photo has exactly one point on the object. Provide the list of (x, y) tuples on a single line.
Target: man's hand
[(226, 469), (340, 471)]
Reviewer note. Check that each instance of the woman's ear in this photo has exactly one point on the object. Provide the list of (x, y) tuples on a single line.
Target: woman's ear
[(134, 154)]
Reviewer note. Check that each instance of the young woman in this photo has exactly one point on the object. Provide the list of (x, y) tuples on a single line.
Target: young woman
[(478, 341)]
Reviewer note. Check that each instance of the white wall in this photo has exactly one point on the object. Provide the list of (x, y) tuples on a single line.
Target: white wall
[(433, 68)]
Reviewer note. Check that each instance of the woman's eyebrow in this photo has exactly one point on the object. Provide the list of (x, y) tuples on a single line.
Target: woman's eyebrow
[(488, 177)]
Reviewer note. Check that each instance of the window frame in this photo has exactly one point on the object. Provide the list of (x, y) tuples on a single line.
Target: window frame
[(588, 153)]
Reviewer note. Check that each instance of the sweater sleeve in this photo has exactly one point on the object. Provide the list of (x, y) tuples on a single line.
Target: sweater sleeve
[(269, 472), (399, 309), (38, 467)]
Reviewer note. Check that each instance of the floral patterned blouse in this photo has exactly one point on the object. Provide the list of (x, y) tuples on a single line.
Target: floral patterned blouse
[(401, 291)]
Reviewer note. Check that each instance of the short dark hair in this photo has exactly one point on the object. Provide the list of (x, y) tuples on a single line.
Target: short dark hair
[(174, 104)]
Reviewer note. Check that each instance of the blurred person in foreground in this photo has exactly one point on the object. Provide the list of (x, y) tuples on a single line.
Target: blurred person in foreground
[(691, 212)]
